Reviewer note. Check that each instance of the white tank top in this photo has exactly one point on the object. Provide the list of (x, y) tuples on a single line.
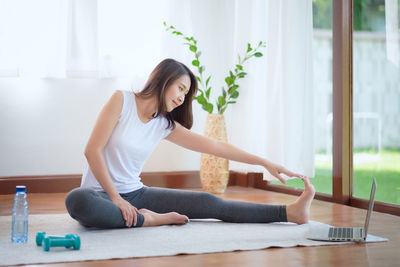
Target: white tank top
[(128, 148)]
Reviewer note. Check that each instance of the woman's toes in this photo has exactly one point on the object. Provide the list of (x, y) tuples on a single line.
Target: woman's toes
[(178, 218)]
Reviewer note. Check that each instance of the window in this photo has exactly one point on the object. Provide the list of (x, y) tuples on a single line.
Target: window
[(365, 103), (376, 99)]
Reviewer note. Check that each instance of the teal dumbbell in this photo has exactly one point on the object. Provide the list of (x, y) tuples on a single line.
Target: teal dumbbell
[(40, 236), (68, 241)]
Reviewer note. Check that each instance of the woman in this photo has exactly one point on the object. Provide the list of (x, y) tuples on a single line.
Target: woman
[(128, 129)]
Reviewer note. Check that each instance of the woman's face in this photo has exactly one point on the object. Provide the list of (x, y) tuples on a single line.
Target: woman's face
[(176, 92)]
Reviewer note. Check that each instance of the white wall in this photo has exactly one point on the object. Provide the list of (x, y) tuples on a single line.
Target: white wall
[(45, 124)]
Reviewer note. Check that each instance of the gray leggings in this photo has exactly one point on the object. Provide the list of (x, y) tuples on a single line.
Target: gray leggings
[(95, 209)]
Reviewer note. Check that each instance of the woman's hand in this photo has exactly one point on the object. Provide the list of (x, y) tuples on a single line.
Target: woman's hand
[(129, 212), (276, 170)]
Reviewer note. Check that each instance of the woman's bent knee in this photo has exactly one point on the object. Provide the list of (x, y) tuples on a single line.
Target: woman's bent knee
[(77, 202)]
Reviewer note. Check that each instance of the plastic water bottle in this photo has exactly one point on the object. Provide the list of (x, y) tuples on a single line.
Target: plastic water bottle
[(19, 224)]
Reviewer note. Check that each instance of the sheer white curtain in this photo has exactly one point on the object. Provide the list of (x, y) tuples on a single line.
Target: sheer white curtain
[(273, 116), (130, 36), (33, 38), (392, 32), (84, 38), (48, 38)]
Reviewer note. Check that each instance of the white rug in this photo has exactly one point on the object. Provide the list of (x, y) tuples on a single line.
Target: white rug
[(198, 236)]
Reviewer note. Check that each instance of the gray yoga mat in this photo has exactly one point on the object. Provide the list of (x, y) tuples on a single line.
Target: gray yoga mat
[(198, 236)]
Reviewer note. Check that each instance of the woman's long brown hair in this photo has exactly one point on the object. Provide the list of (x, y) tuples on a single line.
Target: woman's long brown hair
[(164, 75)]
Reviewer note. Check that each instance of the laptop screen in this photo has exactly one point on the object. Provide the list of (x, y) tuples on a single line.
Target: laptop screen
[(370, 206)]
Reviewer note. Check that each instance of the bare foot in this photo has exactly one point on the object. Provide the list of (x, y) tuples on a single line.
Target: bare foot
[(155, 219), (299, 211)]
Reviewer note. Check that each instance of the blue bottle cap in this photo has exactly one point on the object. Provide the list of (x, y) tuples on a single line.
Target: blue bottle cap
[(20, 188)]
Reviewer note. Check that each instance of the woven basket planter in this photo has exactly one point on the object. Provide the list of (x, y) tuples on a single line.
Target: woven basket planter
[(214, 171)]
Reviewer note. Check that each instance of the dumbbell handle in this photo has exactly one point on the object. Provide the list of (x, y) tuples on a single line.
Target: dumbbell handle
[(56, 237), (62, 242)]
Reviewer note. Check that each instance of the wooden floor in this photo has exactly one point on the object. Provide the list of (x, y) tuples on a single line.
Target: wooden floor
[(372, 254)]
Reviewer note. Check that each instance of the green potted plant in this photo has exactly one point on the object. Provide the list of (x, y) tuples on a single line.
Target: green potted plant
[(214, 172)]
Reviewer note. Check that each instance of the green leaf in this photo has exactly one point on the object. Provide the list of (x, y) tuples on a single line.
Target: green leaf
[(201, 100), (208, 79), (223, 92), (198, 54), (202, 68), (258, 54), (239, 58), (193, 48), (198, 78), (165, 24), (249, 48), (231, 102), (208, 93), (195, 63), (221, 100), (233, 89), (242, 74), (240, 67), (210, 108), (229, 81), (260, 43), (200, 91), (235, 94)]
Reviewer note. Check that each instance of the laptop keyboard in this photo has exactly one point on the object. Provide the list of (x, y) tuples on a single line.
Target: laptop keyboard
[(342, 232)]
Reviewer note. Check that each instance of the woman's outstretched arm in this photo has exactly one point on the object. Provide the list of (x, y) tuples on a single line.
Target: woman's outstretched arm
[(196, 142)]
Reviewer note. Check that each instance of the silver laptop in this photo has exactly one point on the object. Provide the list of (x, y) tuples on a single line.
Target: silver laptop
[(357, 234)]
